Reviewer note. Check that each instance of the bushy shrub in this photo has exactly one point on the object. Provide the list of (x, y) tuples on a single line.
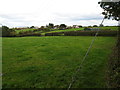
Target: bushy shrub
[(55, 34), (6, 32), (28, 33), (44, 29), (62, 26), (83, 33), (107, 33), (90, 33)]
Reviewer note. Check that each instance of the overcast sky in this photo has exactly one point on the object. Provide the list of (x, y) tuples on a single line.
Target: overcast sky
[(16, 13)]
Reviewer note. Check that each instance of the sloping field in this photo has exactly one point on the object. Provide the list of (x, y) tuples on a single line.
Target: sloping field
[(50, 62)]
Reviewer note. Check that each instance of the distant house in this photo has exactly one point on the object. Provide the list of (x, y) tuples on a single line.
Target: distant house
[(76, 26), (56, 27)]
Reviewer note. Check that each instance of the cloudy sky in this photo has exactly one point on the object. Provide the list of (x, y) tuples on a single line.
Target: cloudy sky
[(17, 13)]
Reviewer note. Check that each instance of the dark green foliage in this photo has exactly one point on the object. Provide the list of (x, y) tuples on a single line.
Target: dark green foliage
[(28, 33), (80, 26), (111, 10), (113, 75), (95, 26), (6, 32), (55, 34), (62, 26), (44, 29), (83, 33), (51, 25), (32, 27), (91, 33)]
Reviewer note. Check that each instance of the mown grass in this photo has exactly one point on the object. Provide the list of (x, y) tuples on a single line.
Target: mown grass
[(50, 62)]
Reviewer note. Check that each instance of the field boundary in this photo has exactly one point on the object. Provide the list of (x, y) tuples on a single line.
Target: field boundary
[(83, 33)]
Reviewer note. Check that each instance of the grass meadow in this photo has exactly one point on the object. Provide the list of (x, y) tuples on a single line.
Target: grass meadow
[(23, 30), (108, 28), (113, 28), (50, 62)]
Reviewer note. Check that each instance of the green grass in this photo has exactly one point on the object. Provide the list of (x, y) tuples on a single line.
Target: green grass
[(23, 30), (109, 27), (55, 30), (50, 62), (66, 30), (73, 29), (77, 29)]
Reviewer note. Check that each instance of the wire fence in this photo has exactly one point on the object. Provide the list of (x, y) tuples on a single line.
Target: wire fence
[(80, 66)]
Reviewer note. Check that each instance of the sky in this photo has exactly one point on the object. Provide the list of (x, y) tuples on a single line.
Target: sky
[(23, 13)]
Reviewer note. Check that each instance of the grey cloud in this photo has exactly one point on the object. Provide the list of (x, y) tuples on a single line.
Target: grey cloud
[(86, 18), (13, 20), (13, 17), (78, 17)]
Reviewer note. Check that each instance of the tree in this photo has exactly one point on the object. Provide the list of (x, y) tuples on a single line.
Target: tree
[(43, 28), (32, 27), (51, 25), (111, 9), (80, 26), (62, 26), (95, 26), (7, 32)]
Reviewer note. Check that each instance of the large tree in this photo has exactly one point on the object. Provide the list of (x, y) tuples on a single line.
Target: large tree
[(7, 32), (51, 25), (62, 26), (112, 10)]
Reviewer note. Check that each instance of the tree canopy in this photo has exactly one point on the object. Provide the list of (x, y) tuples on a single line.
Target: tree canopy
[(32, 27), (51, 25), (111, 9), (7, 32), (62, 26)]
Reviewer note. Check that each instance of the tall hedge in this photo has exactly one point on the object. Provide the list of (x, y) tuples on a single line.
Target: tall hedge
[(6, 32), (90, 33)]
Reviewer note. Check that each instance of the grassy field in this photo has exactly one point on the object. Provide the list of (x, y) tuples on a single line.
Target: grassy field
[(23, 30), (66, 30), (107, 28), (50, 62), (56, 30)]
